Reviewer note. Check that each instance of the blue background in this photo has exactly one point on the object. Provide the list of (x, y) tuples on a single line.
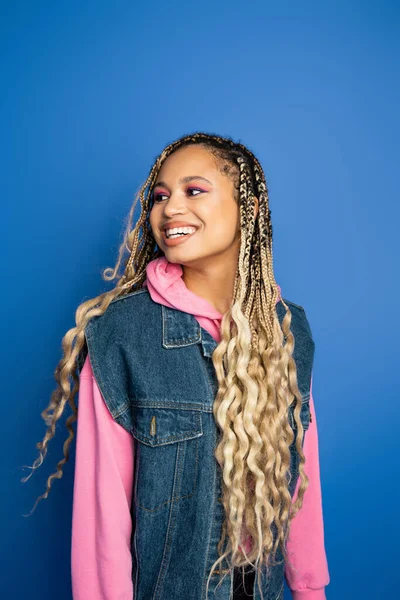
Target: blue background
[(91, 93)]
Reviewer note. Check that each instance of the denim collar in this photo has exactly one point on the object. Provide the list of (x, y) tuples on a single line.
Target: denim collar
[(182, 329)]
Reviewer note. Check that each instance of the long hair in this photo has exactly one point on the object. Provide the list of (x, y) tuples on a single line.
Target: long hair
[(256, 372)]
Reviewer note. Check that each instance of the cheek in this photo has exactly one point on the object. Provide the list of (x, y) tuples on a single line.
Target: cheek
[(153, 218), (225, 225)]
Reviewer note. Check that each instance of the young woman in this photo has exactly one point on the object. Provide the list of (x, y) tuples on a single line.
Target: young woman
[(197, 469)]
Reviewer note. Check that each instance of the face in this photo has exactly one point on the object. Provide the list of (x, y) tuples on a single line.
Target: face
[(190, 191)]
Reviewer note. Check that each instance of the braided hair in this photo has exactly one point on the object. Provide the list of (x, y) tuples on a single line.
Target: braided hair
[(256, 372)]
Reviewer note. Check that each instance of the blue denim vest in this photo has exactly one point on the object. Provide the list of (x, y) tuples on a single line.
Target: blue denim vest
[(153, 367)]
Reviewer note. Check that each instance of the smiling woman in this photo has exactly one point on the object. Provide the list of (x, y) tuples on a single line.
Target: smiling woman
[(212, 209), (198, 374)]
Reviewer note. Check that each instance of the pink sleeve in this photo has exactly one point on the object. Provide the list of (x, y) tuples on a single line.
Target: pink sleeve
[(306, 538), (101, 561)]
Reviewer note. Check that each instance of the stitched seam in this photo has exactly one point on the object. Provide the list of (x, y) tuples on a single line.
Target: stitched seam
[(279, 593), (171, 522), (126, 296), (102, 386), (211, 522), (177, 437), (171, 438), (167, 404), (176, 498)]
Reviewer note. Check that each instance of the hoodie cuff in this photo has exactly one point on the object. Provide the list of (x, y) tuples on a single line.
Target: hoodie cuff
[(309, 594)]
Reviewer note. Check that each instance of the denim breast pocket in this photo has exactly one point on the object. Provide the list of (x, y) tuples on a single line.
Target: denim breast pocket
[(167, 460)]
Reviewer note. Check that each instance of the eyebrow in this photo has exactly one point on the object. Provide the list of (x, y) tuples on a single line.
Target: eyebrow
[(184, 180)]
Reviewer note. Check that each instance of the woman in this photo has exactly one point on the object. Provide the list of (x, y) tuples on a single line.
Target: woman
[(195, 403)]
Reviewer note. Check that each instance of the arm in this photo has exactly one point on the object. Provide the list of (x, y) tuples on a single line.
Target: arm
[(101, 561), (306, 539)]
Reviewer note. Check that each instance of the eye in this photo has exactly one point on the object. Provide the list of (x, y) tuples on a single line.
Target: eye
[(195, 190), (156, 197)]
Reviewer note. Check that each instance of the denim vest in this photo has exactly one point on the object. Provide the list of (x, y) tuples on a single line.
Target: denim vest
[(153, 367)]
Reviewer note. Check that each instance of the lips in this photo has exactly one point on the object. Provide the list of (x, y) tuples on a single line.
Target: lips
[(175, 224), (178, 240)]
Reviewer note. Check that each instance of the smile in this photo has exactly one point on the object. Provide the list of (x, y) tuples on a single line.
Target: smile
[(175, 238)]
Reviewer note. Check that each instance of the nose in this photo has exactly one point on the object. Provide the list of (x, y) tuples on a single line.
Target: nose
[(174, 204)]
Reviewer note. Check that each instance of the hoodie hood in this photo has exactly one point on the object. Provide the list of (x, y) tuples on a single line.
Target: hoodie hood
[(166, 286)]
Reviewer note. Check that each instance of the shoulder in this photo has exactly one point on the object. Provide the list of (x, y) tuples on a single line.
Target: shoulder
[(123, 310), (138, 296), (124, 317), (297, 311), (299, 322), (293, 305)]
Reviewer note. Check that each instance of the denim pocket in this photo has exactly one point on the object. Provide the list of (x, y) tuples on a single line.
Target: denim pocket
[(155, 426), (167, 452)]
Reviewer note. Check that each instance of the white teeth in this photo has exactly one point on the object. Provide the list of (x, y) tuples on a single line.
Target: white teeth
[(179, 231)]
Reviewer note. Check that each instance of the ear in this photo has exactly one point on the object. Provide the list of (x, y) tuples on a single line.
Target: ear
[(256, 206)]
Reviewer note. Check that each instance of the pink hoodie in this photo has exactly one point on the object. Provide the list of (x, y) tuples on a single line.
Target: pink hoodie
[(101, 561)]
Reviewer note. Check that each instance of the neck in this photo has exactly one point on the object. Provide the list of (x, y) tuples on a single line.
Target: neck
[(214, 283)]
